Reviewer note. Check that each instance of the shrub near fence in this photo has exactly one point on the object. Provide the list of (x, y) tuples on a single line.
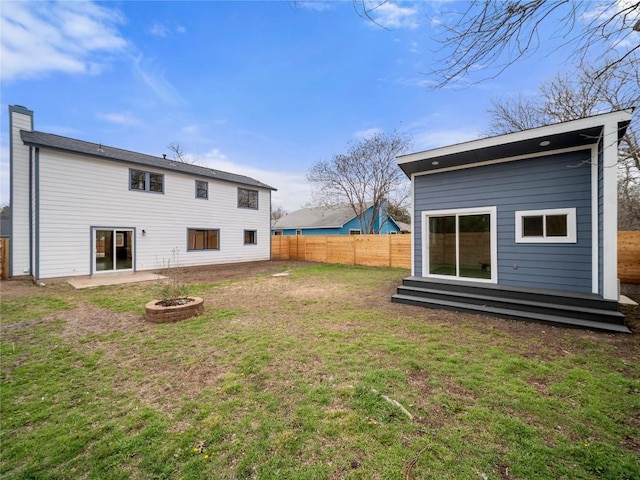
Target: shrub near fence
[(395, 251)]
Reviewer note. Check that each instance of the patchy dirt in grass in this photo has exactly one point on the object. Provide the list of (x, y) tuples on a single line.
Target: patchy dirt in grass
[(541, 339), (291, 300)]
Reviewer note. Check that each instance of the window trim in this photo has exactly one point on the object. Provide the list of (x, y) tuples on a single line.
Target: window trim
[(355, 231), (493, 225), (249, 190), (255, 237), (147, 181), (196, 229), (206, 190), (572, 230)]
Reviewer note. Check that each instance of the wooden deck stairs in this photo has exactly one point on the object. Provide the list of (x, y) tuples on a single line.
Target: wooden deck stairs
[(563, 309)]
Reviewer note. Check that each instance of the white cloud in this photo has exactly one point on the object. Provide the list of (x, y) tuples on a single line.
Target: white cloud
[(317, 5), (159, 30), (155, 79), (294, 192), (121, 118), (38, 38), (391, 15)]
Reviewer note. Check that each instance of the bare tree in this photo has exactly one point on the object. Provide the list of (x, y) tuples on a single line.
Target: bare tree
[(578, 95), (499, 33), (179, 155), (367, 175), (491, 35), (278, 213)]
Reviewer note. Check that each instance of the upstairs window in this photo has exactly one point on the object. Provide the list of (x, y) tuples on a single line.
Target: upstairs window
[(247, 198), (146, 181), (546, 226), (202, 189)]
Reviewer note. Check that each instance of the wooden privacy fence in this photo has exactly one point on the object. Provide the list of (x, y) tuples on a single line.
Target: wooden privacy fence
[(395, 251), (629, 257), (369, 250), (4, 258)]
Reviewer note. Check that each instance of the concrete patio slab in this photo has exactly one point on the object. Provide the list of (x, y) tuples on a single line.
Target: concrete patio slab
[(113, 279)]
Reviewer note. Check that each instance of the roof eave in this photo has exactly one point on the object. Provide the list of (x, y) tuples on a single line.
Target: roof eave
[(431, 159)]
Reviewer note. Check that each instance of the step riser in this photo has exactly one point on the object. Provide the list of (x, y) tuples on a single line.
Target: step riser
[(608, 316), (513, 295), (566, 322)]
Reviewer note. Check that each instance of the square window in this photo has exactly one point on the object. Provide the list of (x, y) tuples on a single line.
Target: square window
[(250, 237), (533, 226), (247, 198), (556, 225), (155, 182), (137, 180)]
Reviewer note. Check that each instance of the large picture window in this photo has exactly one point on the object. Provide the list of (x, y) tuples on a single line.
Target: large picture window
[(460, 244), (201, 239), (556, 225), (247, 198), (146, 181)]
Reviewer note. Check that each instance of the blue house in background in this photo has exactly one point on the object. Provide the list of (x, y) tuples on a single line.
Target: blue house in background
[(336, 220), (522, 225)]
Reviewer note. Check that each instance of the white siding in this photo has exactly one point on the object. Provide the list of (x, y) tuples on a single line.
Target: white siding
[(20, 205), (78, 193)]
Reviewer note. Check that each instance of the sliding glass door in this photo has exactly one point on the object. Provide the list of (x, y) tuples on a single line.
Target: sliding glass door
[(113, 250), (460, 244)]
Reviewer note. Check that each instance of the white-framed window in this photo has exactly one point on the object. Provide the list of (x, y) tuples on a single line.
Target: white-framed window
[(556, 225), (202, 189), (250, 237), (146, 181), (354, 231), (298, 232), (461, 244)]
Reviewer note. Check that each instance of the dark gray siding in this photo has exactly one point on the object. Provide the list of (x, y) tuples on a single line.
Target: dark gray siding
[(560, 181), (600, 216)]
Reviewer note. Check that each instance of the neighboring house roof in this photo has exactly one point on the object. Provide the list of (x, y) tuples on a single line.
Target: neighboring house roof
[(534, 141), (65, 144), (404, 227), (316, 217)]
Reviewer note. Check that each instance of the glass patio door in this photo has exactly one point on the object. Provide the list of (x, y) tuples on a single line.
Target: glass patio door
[(113, 250), (460, 244)]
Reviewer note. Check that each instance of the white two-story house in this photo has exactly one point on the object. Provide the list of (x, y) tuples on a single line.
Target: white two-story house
[(81, 208)]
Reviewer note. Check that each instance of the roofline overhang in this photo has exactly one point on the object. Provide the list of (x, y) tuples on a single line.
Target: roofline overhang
[(142, 164), (518, 143)]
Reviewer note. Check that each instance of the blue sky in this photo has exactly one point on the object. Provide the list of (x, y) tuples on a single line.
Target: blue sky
[(263, 89)]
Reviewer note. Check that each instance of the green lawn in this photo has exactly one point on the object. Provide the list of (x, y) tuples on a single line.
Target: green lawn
[(315, 375)]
